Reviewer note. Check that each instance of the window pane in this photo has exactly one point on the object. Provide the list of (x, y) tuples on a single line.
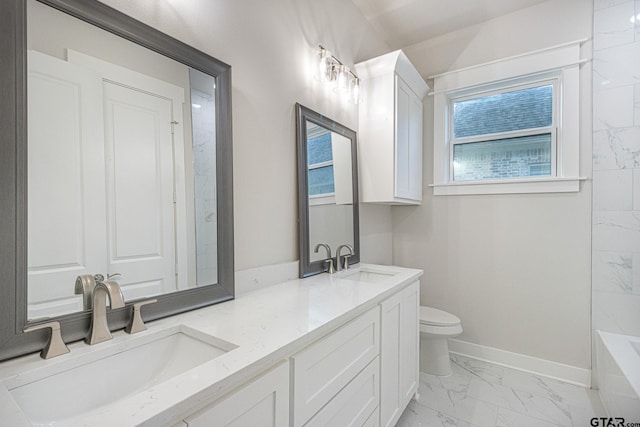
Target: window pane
[(504, 112), (321, 181), (319, 149), (504, 158)]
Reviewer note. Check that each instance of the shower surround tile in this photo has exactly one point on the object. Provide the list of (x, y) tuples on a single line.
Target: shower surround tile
[(616, 148), (616, 231), (616, 66), (616, 165), (613, 272), (612, 190), (613, 108), (612, 26), (636, 92), (616, 313)]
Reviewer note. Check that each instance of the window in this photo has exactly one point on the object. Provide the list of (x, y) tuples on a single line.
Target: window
[(502, 134), (320, 163), (509, 126)]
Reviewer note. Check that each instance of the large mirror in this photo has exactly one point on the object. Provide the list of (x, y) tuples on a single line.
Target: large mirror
[(120, 166), (327, 191)]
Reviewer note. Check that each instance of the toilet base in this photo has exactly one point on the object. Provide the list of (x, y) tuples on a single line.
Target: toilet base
[(434, 355)]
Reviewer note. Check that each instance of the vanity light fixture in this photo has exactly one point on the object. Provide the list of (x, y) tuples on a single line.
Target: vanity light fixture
[(332, 70)]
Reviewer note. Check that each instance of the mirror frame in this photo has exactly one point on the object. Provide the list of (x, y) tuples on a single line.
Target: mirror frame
[(304, 114), (13, 174)]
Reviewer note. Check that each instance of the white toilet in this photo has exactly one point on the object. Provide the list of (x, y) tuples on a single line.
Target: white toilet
[(436, 326)]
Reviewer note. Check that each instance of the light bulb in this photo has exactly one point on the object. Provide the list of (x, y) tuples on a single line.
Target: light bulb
[(324, 65), (343, 78), (355, 90)]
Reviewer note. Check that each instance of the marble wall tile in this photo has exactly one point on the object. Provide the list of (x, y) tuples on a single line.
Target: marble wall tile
[(612, 26), (636, 94), (616, 231), (613, 108), (616, 313), (612, 190), (602, 4), (612, 272), (636, 274), (616, 66), (637, 19), (636, 189), (616, 148)]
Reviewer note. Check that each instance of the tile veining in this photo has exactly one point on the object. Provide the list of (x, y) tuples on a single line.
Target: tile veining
[(479, 393)]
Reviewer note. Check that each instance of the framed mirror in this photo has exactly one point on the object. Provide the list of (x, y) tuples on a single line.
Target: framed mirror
[(327, 190), (116, 160)]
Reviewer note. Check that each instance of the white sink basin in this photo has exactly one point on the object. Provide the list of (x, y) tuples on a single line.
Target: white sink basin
[(370, 276), (57, 394)]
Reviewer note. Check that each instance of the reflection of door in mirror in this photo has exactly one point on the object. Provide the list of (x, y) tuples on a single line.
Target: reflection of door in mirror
[(124, 228), (121, 173), (330, 189)]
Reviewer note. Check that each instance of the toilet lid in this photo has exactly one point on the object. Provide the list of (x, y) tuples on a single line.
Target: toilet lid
[(433, 316)]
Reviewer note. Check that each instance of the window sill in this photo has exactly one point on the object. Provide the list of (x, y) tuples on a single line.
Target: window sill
[(519, 186)]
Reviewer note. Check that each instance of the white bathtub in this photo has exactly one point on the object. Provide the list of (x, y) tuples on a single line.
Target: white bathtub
[(618, 374)]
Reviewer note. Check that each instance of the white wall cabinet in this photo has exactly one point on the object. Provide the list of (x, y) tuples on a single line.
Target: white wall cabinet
[(390, 130), (398, 353), (264, 402)]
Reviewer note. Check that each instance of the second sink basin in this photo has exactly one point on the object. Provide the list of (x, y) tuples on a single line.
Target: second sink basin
[(100, 378), (369, 276)]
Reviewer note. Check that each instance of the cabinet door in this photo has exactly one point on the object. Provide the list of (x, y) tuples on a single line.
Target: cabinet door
[(408, 167), (409, 343), (263, 402), (403, 152), (398, 353), (390, 359)]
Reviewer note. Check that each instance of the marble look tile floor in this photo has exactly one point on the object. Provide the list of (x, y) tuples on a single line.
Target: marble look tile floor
[(480, 394)]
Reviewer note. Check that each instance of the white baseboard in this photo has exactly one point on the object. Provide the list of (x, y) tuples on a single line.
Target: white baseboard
[(522, 362)]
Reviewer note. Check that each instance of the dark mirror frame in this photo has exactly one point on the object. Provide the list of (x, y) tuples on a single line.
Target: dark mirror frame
[(304, 114), (13, 174)]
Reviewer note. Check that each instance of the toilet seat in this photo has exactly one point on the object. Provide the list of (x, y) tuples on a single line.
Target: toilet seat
[(434, 317)]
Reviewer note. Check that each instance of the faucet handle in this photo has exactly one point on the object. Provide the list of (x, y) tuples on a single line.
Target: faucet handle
[(136, 324), (345, 261), (330, 269), (55, 346)]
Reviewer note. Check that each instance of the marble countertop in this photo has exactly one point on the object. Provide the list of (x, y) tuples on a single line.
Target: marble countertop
[(267, 326)]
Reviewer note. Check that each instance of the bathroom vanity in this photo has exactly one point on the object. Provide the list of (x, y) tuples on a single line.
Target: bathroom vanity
[(325, 350)]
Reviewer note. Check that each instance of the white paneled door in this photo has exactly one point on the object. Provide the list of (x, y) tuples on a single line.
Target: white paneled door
[(101, 183), (66, 181), (139, 176)]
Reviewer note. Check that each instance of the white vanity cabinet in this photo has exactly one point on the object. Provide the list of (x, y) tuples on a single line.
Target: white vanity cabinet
[(399, 368), (264, 402), (336, 380), (390, 130)]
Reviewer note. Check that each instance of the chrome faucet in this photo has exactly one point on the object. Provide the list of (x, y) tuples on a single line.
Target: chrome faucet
[(99, 330), (328, 260), (345, 259)]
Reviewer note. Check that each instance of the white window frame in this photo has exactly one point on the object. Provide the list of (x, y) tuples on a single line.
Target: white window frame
[(528, 82), (560, 65)]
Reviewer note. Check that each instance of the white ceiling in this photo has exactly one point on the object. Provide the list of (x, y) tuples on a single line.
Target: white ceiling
[(402, 23)]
